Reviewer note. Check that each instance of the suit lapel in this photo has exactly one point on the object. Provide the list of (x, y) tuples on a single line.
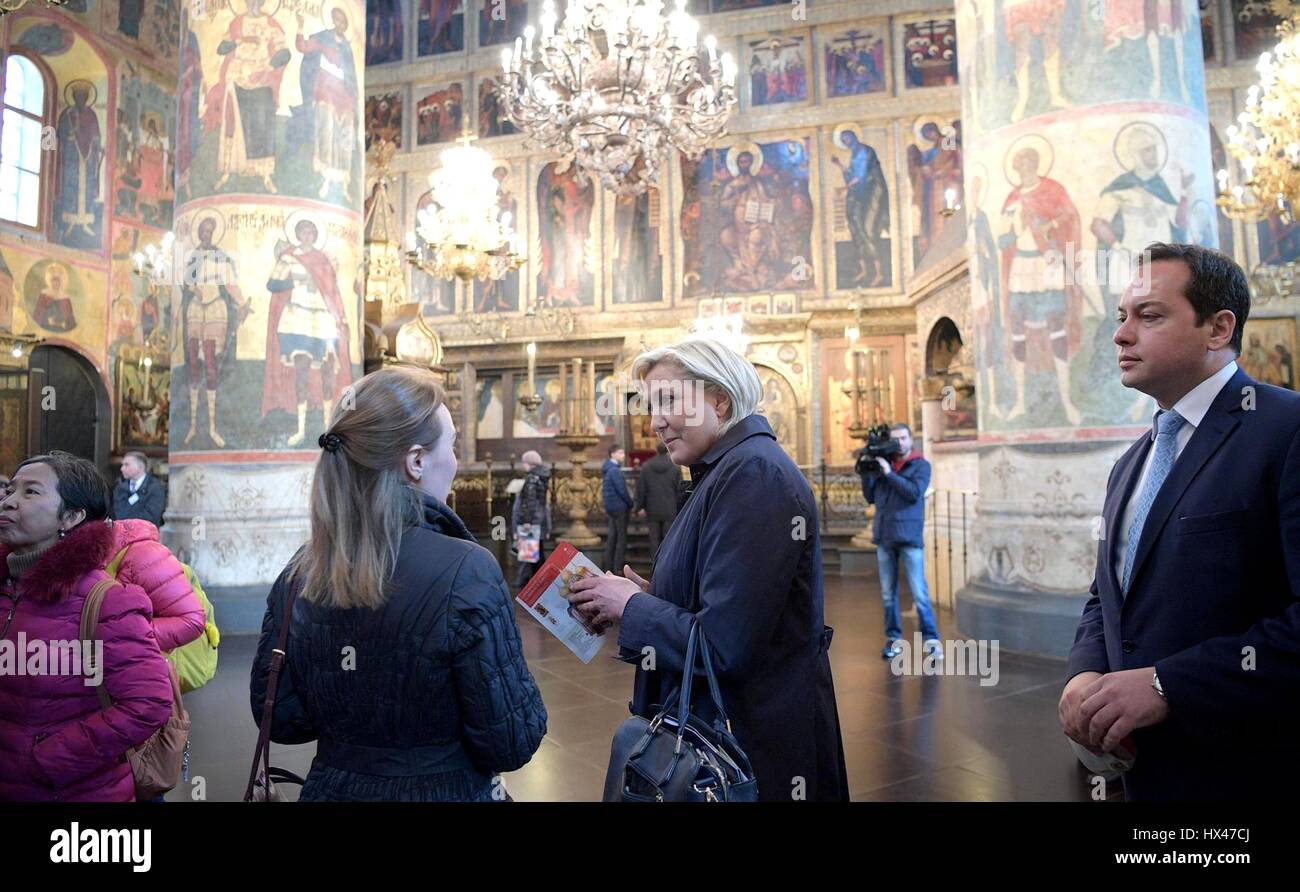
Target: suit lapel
[(1214, 428), (1114, 508)]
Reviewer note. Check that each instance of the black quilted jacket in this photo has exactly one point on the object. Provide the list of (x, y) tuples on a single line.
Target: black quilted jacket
[(424, 699)]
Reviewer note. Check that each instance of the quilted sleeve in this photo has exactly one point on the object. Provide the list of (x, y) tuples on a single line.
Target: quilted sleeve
[(177, 613), (137, 679), (503, 718)]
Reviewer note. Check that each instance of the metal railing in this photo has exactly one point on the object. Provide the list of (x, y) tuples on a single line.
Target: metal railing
[(949, 516)]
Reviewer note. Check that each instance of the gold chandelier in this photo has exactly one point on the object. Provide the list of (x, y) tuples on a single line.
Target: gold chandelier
[(463, 233), (618, 86), (1266, 138), (8, 6)]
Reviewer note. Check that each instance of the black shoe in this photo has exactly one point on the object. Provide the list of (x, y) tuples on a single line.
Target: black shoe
[(891, 650)]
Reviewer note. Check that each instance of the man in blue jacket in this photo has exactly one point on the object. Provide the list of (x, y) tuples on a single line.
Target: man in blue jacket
[(898, 492), (618, 502)]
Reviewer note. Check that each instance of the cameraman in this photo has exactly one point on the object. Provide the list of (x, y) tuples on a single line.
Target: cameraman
[(894, 479)]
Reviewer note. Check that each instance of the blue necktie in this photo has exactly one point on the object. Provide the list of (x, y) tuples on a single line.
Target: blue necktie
[(1168, 425)]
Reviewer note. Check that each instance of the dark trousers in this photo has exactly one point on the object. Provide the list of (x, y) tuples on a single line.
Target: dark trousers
[(526, 571), (658, 530), (616, 542)]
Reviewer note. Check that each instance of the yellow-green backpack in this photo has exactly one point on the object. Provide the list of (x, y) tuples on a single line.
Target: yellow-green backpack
[(195, 662)]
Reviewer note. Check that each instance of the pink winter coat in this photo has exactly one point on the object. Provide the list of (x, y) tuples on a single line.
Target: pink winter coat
[(55, 741), (177, 614)]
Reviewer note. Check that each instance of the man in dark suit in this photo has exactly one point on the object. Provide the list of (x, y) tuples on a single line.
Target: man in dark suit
[(138, 494), (656, 495), (1190, 643)]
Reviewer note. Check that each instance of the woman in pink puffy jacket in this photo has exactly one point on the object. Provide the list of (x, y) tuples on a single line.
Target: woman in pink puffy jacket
[(56, 743), (177, 613)]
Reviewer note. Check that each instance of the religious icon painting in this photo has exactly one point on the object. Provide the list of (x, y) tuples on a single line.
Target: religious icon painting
[(934, 173), (568, 233), (1254, 29), (501, 21), (1268, 350), (492, 117), (440, 26), (1209, 11), (639, 235), (504, 295), (861, 211), (436, 297), (776, 69), (784, 305), (855, 61), (77, 219), (383, 31), (384, 118), (747, 218), (142, 173), (439, 113), (710, 307), (930, 53), (760, 305), (54, 296)]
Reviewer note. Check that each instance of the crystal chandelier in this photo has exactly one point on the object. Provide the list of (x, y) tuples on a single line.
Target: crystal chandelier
[(8, 6), (1266, 138), (618, 86), (463, 232)]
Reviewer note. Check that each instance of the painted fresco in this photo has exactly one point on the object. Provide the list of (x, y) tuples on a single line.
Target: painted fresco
[(1268, 351), (383, 31), (861, 227), (503, 295), (153, 26), (754, 200), (384, 118), (568, 235), (1254, 29), (637, 263), (492, 117), (281, 104), (777, 69), (144, 166), (439, 114), (934, 165), (930, 53), (440, 26), (501, 21), (854, 61)]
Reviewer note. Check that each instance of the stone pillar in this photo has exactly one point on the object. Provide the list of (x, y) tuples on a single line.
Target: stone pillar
[(1086, 139), (269, 180)]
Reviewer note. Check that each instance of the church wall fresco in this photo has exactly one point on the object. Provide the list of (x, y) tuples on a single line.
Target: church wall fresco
[(109, 180), (862, 207), (1096, 182), (567, 236)]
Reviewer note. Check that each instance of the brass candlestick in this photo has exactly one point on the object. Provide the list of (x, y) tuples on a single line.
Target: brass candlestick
[(574, 494)]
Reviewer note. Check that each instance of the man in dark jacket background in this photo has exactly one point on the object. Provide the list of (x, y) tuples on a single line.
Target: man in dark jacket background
[(898, 492), (618, 502), (532, 507), (656, 495), (138, 495)]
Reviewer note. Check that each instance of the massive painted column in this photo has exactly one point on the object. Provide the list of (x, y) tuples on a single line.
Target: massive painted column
[(1087, 139), (269, 179)]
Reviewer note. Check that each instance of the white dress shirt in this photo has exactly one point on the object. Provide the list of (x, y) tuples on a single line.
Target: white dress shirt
[(1193, 406)]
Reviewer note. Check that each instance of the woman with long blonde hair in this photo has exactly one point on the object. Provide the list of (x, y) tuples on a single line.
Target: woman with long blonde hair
[(403, 661)]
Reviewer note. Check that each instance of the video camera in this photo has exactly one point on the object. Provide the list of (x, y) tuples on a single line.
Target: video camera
[(879, 445)]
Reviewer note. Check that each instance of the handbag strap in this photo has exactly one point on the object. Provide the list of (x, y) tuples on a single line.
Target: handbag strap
[(89, 624), (263, 750)]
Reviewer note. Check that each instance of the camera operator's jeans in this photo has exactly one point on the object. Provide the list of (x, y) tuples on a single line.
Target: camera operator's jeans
[(912, 558)]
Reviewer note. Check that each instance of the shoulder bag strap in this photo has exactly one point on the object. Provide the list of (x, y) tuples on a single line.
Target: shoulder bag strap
[(89, 625), (263, 751)]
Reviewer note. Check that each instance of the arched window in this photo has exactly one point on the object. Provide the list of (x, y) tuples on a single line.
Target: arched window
[(23, 159)]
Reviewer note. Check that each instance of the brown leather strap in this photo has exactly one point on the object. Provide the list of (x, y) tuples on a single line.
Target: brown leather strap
[(263, 751), (89, 627)]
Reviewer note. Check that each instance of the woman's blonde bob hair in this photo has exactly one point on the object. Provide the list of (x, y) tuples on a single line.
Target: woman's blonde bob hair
[(722, 370), (361, 501)]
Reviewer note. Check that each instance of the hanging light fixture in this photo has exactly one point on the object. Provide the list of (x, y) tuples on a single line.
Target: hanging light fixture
[(1266, 137), (463, 233), (618, 86)]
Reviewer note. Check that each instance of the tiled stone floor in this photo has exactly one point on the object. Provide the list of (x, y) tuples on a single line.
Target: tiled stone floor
[(906, 738)]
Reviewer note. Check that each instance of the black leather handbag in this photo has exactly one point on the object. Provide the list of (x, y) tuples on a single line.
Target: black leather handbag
[(677, 756)]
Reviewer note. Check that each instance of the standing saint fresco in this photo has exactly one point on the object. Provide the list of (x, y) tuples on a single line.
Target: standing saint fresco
[(307, 356), (241, 105)]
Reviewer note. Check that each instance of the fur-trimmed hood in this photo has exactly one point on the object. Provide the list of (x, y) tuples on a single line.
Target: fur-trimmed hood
[(88, 547)]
